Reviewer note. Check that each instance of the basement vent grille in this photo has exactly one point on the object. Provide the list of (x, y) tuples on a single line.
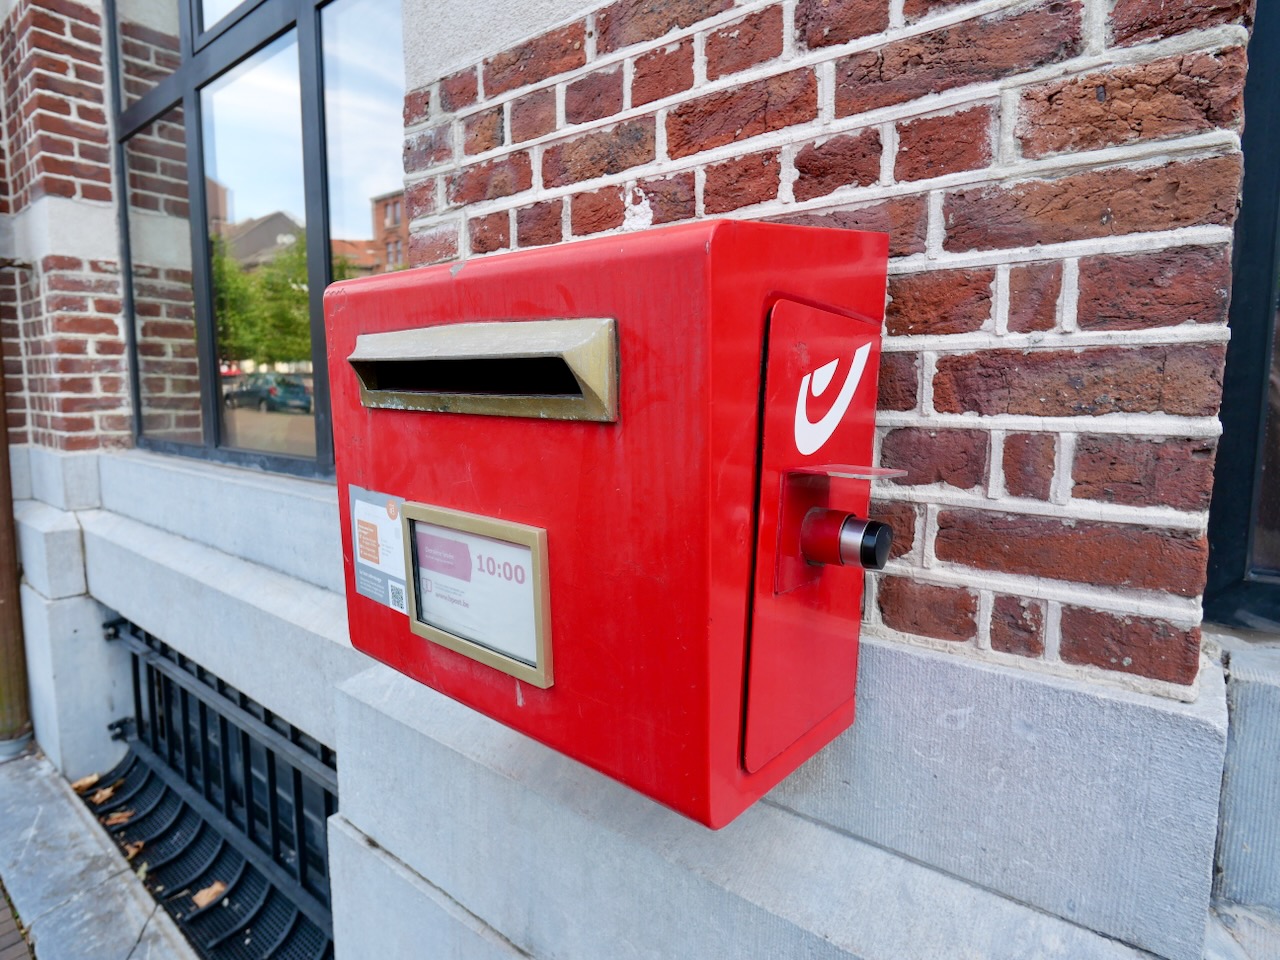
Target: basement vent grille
[(221, 807)]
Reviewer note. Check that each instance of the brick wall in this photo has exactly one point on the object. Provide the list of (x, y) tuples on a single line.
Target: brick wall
[(1059, 180), (60, 316)]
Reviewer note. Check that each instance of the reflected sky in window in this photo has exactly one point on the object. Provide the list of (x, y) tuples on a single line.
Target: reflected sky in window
[(364, 102)]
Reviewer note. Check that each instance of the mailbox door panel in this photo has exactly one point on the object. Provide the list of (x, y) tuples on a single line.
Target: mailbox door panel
[(820, 393)]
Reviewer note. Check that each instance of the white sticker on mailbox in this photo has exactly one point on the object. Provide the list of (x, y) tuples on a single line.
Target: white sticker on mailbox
[(477, 588), (377, 543)]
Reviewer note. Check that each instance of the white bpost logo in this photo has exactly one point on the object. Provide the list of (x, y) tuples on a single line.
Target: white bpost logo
[(811, 436)]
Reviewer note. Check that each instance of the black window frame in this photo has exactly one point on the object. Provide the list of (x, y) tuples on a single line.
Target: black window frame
[(206, 55), (1237, 593)]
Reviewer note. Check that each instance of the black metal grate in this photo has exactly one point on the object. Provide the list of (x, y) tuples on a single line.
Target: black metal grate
[(219, 797)]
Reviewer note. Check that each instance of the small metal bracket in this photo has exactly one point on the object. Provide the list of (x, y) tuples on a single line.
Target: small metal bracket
[(111, 629), (122, 729)]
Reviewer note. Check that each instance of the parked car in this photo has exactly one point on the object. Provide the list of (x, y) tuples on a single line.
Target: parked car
[(269, 391)]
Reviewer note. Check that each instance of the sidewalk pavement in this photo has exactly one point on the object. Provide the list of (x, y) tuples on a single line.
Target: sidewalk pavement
[(76, 895)]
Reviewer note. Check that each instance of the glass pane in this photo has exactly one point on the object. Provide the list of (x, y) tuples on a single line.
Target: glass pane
[(257, 232), (149, 49), (1266, 539), (211, 11), (364, 89), (163, 303)]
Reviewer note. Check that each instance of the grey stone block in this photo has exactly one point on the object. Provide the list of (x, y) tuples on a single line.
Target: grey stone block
[(1249, 842), (1094, 804), (79, 683), (68, 481), (286, 524), (69, 884), (20, 471), (566, 863), (383, 909), (279, 640), (49, 548)]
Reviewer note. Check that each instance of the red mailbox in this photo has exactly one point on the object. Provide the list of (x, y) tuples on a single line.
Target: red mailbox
[(613, 494)]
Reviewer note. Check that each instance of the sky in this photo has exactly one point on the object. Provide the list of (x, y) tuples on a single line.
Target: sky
[(253, 125)]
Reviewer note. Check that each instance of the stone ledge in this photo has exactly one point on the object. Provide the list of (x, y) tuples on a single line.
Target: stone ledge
[(370, 887), (565, 862), (279, 640), (284, 523), (49, 548), (68, 481)]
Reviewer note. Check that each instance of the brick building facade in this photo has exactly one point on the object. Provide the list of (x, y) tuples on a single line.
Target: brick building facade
[(1037, 768)]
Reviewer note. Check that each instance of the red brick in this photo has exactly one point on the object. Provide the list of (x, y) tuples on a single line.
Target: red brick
[(593, 97), (57, 262), (433, 246), (539, 224), (935, 146), (540, 58), (490, 233), (1138, 645), (741, 182), (491, 180), (957, 458), (662, 73), (417, 105), (459, 90), (1100, 203), (1079, 551), (745, 43), (1017, 626), (972, 51), (899, 381), (824, 23), (901, 517), (420, 199), (1033, 296), (533, 115), (1184, 380), (593, 212), (599, 154), (635, 21), (915, 10), (427, 148), (85, 326), (69, 10), (670, 198), (1177, 96), (1162, 289), (743, 112), (1144, 473), (1133, 21), (904, 219), (482, 131), (944, 613), (1029, 464), (852, 160), (939, 302)]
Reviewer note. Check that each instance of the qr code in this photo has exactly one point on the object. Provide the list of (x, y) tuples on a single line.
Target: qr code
[(397, 597)]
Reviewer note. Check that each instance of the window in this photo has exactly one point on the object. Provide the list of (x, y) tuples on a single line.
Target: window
[(254, 137), (1244, 523)]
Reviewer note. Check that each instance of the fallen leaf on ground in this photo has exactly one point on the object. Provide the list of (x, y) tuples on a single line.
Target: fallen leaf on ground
[(142, 871), (131, 850), (84, 784), (119, 817), (102, 796), (209, 894)]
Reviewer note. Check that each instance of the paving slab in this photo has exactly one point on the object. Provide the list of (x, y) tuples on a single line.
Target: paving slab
[(76, 894)]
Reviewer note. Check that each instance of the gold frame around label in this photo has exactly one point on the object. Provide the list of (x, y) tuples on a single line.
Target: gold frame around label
[(535, 538)]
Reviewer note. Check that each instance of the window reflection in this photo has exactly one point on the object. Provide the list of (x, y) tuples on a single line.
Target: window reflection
[(211, 11), (363, 98), (163, 304), (149, 50), (1266, 540), (257, 232)]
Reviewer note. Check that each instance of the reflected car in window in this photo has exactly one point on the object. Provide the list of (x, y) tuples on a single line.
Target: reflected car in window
[(269, 391)]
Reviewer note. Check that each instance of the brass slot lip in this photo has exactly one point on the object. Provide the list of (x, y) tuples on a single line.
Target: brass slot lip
[(587, 347)]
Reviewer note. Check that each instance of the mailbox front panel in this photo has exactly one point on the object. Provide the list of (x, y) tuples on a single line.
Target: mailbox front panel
[(649, 519)]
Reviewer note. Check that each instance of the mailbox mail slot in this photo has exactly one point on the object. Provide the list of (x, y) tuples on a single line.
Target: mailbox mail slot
[(614, 495)]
